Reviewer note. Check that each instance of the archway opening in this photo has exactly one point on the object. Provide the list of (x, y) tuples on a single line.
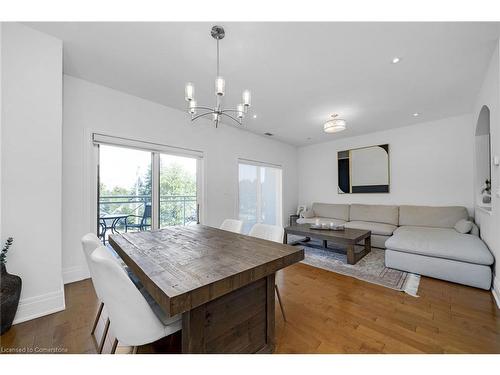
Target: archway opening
[(483, 158)]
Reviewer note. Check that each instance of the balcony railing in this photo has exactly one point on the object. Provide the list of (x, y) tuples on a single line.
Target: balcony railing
[(174, 209)]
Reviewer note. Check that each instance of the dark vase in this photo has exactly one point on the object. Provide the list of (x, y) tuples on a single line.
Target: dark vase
[(10, 292)]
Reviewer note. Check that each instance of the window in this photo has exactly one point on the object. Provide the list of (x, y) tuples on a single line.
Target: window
[(143, 186), (178, 197), (259, 194)]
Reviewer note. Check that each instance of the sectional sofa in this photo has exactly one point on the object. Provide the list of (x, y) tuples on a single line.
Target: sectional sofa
[(439, 242)]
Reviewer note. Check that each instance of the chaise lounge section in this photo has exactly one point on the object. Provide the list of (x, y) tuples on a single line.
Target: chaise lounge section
[(427, 243)]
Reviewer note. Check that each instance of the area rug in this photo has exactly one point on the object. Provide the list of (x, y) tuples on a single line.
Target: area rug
[(371, 268)]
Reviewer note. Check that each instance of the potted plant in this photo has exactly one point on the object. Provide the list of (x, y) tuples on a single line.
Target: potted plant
[(486, 192), (10, 290)]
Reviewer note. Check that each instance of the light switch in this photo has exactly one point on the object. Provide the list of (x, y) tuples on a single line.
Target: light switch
[(496, 160)]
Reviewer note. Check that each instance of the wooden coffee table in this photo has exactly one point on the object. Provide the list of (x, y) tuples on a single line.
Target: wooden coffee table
[(347, 237)]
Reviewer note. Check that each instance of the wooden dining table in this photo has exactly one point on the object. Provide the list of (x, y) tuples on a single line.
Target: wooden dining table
[(221, 282)]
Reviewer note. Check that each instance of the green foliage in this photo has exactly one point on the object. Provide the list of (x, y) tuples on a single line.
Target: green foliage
[(175, 180), (177, 195), (5, 249)]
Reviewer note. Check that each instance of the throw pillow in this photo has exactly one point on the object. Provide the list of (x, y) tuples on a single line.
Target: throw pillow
[(463, 226)]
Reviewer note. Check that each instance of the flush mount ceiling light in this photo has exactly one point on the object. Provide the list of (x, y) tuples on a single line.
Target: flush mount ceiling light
[(335, 125), (395, 60), (416, 114), (217, 112)]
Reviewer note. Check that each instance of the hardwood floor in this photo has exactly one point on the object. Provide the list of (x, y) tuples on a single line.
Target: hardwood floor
[(326, 313)]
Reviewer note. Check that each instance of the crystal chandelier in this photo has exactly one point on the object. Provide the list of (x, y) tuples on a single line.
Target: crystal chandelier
[(217, 112)]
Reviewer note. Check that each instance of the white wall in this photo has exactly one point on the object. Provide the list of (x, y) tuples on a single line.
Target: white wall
[(490, 222), (431, 164), (1, 122), (31, 165), (89, 107)]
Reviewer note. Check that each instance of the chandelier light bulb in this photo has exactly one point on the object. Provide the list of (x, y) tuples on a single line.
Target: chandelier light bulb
[(220, 86), (247, 98), (189, 92), (192, 107), (240, 110)]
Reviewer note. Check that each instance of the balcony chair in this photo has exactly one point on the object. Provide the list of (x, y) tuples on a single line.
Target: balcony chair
[(143, 224), (270, 233), (133, 320), (232, 225)]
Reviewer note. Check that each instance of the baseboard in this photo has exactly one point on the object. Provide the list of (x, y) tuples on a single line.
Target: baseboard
[(72, 274), (496, 290), (35, 307)]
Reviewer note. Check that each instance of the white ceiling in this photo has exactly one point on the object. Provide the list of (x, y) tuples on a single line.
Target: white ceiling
[(299, 73)]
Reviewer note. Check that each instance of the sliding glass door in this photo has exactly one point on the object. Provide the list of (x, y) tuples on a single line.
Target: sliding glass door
[(125, 190), (142, 190), (260, 194)]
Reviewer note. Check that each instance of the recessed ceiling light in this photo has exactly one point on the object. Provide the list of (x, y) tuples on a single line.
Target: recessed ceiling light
[(416, 114), (395, 60), (254, 116)]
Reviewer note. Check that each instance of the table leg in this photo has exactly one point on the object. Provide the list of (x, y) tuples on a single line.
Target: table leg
[(368, 244), (113, 225), (285, 238), (351, 256), (325, 243), (241, 321)]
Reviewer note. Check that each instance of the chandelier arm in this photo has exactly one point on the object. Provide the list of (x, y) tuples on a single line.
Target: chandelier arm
[(201, 115), (232, 118), (230, 110), (206, 108)]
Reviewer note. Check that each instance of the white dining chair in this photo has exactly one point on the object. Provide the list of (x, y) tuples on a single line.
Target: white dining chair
[(232, 225), (133, 322), (270, 233), (90, 242)]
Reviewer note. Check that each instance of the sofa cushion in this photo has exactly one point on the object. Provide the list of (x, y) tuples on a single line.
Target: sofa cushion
[(322, 220), (374, 212), (336, 211), (441, 243), (425, 216), (376, 228)]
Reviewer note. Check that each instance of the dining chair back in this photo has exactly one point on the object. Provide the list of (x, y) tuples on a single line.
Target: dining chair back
[(267, 232), (132, 320), (270, 233), (232, 225), (90, 242)]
